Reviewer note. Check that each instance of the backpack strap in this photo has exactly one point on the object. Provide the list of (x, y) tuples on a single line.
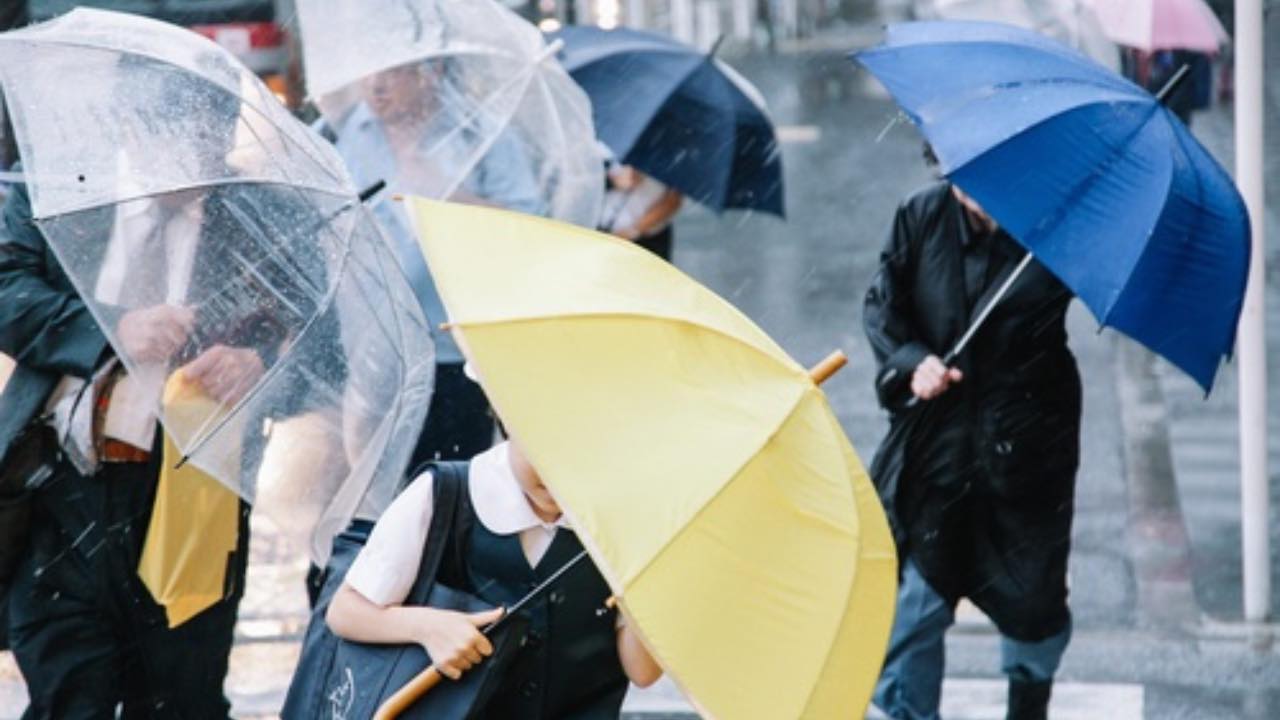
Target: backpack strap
[(449, 500)]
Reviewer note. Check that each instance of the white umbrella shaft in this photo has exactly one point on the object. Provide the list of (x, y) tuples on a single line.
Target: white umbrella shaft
[(1252, 339)]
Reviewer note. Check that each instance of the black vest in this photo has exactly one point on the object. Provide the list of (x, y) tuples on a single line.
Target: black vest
[(568, 665)]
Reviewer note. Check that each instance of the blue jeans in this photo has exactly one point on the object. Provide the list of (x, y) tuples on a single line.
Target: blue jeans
[(910, 686)]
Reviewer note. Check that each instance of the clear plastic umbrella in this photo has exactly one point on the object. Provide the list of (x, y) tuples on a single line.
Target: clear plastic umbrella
[(459, 99), (218, 241), (1071, 22)]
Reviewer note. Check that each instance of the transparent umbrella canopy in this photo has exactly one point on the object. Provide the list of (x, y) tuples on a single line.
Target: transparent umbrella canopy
[(179, 195), (453, 99), (1071, 22)]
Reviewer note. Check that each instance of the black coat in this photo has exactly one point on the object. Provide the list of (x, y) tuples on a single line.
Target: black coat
[(979, 482), (44, 325)]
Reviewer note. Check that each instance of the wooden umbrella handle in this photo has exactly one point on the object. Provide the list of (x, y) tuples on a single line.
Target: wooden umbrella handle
[(828, 367), (409, 694)]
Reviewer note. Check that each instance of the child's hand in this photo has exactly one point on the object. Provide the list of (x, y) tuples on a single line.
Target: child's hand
[(453, 639)]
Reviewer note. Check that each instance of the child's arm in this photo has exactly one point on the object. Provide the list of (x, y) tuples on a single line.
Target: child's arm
[(637, 663), (452, 639)]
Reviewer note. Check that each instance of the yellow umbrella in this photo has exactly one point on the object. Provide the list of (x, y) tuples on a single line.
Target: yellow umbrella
[(701, 466)]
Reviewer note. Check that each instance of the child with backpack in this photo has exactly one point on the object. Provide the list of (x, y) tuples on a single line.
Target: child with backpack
[(508, 537)]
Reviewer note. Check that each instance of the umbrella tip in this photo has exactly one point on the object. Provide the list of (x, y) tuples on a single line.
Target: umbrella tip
[(182, 462), (828, 367), (715, 45), (1172, 84), (372, 190)]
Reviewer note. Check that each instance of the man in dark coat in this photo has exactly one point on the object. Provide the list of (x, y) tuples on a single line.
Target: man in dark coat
[(85, 630), (977, 473)]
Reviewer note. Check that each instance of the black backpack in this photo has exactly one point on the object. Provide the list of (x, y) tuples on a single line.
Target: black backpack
[(339, 679)]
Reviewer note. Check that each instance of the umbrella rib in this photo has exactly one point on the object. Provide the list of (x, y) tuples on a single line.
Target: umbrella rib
[(503, 122), (709, 501), (584, 315), (831, 647), (1199, 184), (984, 92), (203, 184)]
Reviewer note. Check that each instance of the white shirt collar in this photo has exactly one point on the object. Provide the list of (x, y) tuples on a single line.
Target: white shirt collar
[(497, 498)]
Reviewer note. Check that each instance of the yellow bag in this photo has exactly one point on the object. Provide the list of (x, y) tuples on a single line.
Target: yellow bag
[(194, 521)]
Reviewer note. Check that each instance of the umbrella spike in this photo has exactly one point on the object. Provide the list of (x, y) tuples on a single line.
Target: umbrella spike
[(1173, 83), (715, 45), (828, 367)]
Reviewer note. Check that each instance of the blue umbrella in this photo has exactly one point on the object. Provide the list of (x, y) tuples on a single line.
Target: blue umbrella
[(678, 115), (1091, 173)]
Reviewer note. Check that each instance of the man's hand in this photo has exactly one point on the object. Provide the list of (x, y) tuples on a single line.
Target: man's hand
[(453, 639), (932, 378), (225, 373), (155, 333)]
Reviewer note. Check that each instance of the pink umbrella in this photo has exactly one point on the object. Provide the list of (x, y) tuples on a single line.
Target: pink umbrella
[(1161, 24)]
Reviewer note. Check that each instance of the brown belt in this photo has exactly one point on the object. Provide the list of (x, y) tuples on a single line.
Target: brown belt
[(111, 450), (115, 451)]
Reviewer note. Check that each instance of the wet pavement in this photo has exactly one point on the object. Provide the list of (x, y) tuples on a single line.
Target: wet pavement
[(848, 161)]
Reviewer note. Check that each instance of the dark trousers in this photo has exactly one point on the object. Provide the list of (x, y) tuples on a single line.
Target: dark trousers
[(459, 425), (659, 243), (85, 631)]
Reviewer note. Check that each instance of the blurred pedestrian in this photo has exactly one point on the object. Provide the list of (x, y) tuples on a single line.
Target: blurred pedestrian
[(977, 473), (640, 209), (412, 130)]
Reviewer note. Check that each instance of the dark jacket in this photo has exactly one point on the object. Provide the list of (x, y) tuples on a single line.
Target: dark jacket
[(44, 325), (978, 483)]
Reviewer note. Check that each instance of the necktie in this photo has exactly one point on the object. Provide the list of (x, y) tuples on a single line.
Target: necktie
[(147, 277)]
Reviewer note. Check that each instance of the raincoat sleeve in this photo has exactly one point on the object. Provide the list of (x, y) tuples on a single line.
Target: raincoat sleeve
[(888, 315), (44, 324)]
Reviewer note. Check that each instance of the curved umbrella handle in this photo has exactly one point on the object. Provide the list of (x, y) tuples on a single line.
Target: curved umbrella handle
[(409, 694)]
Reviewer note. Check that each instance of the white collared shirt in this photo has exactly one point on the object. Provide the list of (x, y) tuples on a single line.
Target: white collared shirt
[(131, 415), (385, 569), (623, 208)]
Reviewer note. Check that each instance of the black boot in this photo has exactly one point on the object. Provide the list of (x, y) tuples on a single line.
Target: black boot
[(1029, 700)]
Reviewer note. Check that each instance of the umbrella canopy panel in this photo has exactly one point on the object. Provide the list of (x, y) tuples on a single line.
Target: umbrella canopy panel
[(1114, 194), (169, 187)]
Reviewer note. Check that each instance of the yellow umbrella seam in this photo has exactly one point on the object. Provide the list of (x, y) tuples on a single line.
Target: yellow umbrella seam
[(852, 580), (768, 439), (786, 360)]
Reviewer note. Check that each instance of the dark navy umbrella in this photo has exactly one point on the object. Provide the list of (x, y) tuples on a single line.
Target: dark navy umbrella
[(678, 115), (1091, 173)]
